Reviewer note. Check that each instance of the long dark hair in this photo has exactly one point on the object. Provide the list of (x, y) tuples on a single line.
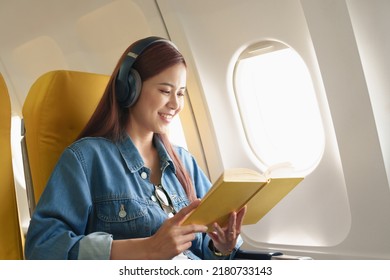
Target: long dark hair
[(110, 119)]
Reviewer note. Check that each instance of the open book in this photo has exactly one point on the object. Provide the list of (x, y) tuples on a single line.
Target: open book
[(236, 188)]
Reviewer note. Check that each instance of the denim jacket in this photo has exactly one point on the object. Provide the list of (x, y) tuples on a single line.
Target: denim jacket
[(100, 191)]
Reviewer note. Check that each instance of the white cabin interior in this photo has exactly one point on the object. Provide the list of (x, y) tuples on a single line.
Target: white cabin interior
[(342, 208)]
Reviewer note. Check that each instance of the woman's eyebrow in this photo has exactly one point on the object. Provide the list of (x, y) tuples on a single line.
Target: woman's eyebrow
[(170, 85)]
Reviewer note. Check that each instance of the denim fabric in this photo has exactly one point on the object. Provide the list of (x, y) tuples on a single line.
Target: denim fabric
[(100, 191)]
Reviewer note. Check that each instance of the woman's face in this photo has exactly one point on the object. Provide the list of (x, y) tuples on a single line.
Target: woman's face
[(161, 99)]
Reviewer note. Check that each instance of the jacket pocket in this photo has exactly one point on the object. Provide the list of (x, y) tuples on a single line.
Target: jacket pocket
[(123, 218)]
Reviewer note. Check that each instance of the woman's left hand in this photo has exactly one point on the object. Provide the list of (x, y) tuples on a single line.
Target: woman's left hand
[(224, 239)]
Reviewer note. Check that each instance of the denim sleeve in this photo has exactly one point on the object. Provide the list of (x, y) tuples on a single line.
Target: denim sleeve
[(60, 218)]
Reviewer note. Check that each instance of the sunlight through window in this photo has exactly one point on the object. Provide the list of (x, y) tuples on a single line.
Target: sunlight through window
[(278, 106)]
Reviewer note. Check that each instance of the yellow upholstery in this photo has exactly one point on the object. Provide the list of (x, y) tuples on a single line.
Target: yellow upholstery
[(57, 107), (10, 235)]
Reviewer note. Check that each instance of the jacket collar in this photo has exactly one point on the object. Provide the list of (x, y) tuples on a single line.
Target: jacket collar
[(133, 159)]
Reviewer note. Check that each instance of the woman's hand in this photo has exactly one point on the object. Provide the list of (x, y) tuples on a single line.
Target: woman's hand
[(169, 241), (172, 238), (224, 239)]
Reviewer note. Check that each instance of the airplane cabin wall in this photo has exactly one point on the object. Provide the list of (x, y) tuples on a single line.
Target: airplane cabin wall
[(341, 208), (370, 23), (75, 35), (363, 160)]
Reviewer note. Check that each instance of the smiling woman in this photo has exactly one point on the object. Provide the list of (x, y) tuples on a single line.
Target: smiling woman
[(112, 173), (159, 99), (286, 87)]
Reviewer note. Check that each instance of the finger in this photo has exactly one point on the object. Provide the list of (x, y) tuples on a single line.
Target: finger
[(181, 215), (240, 218), (219, 231), (214, 236), (232, 222), (189, 229), (184, 240), (184, 246)]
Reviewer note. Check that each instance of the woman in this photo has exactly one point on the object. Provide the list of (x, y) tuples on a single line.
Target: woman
[(122, 190)]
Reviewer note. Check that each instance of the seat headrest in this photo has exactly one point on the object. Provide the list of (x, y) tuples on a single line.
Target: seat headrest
[(57, 107)]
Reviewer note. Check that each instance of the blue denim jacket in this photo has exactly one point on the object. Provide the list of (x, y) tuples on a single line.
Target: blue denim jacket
[(77, 216)]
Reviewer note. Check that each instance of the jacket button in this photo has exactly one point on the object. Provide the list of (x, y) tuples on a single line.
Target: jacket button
[(122, 212), (144, 175)]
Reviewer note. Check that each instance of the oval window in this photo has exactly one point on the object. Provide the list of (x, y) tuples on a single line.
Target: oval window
[(278, 106)]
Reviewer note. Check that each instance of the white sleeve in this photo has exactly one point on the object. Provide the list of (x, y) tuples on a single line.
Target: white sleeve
[(95, 246)]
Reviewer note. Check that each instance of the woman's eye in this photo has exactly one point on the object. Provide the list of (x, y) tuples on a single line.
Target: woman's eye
[(165, 91)]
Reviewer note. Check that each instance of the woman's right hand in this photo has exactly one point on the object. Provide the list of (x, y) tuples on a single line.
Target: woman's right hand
[(172, 238), (169, 241)]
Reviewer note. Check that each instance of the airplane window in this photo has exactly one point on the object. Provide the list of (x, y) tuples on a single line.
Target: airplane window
[(278, 106)]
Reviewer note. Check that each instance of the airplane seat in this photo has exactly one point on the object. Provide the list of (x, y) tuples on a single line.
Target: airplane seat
[(11, 242), (56, 109)]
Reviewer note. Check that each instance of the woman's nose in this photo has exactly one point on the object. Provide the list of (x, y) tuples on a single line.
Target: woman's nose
[(174, 102)]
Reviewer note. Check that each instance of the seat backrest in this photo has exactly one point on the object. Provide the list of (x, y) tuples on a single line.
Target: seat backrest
[(11, 244), (56, 109)]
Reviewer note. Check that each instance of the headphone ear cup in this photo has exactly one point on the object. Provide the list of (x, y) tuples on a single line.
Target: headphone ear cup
[(135, 85), (128, 90), (128, 81)]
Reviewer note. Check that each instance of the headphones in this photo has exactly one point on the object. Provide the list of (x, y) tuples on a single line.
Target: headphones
[(128, 81)]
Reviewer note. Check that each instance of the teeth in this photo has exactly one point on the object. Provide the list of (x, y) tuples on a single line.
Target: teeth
[(166, 116)]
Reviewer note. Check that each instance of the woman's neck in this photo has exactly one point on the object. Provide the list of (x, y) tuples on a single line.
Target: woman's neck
[(149, 154)]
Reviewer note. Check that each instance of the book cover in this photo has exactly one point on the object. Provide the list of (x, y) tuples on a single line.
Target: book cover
[(236, 188)]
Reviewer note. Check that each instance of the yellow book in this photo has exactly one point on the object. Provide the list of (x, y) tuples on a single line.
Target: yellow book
[(236, 188)]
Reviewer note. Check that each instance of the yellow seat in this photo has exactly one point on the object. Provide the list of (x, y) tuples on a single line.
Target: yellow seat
[(57, 107), (11, 244)]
